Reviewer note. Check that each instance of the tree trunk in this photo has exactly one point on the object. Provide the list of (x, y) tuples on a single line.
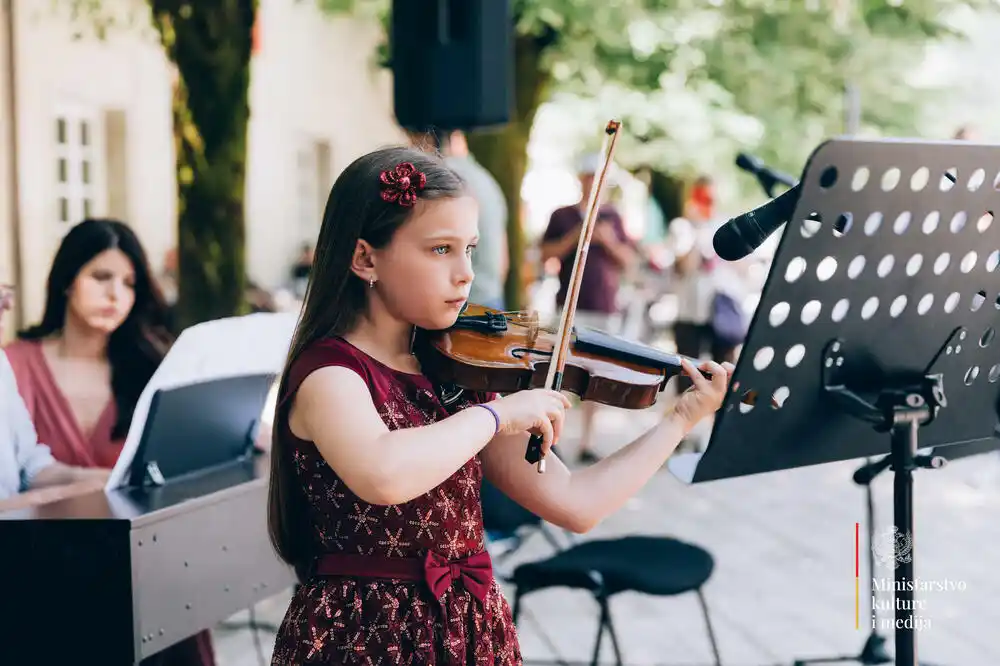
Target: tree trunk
[(209, 41), (504, 152)]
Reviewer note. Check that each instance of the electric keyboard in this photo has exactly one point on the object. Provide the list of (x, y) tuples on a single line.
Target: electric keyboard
[(113, 578)]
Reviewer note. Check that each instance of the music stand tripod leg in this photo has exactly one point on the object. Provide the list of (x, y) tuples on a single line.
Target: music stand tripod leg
[(905, 438), (901, 408), (873, 652)]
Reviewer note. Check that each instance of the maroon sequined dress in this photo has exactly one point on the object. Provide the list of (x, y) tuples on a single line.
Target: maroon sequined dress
[(344, 620)]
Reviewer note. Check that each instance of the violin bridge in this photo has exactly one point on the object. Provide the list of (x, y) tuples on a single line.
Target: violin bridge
[(528, 320), (522, 318)]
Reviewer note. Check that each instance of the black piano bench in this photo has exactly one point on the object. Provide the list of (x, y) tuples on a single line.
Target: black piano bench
[(658, 566)]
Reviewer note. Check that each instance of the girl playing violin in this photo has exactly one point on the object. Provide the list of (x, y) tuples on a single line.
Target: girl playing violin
[(374, 495)]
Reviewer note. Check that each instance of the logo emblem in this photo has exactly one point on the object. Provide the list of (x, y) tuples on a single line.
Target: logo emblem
[(892, 548)]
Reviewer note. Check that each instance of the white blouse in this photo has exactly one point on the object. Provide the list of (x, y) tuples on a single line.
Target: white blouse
[(21, 455)]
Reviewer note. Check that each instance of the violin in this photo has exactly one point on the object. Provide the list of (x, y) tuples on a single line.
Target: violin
[(503, 352), (487, 350)]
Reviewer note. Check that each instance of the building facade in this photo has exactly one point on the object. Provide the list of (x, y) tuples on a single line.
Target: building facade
[(94, 133)]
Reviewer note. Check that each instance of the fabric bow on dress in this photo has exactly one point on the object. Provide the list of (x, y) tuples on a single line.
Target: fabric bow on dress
[(475, 572)]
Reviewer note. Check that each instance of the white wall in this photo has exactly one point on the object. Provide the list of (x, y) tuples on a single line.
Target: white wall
[(6, 228), (313, 84), (314, 79), (126, 72)]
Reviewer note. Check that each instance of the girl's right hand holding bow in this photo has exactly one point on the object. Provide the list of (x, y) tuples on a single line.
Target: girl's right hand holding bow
[(333, 408), (538, 411)]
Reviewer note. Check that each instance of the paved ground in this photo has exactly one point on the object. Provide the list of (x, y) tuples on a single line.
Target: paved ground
[(783, 587)]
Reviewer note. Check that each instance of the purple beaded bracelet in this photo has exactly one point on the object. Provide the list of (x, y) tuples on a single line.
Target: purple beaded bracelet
[(496, 417)]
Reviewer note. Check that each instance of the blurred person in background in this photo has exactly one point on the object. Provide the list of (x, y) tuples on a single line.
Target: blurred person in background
[(81, 370), (28, 472), (490, 258), (611, 254), (301, 269), (697, 277), (709, 291)]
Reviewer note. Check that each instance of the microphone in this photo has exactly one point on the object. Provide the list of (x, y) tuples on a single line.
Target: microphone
[(741, 235), (744, 233)]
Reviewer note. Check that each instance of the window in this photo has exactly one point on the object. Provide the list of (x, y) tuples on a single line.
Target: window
[(312, 187), (76, 165)]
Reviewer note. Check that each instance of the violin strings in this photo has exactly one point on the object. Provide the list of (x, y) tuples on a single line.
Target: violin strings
[(520, 316), (526, 318)]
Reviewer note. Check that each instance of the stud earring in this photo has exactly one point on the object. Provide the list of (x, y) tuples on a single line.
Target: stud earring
[(371, 283)]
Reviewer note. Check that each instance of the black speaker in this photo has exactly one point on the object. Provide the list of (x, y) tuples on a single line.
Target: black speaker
[(452, 63)]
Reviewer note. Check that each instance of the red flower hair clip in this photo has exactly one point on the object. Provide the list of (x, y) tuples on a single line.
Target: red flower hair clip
[(402, 184)]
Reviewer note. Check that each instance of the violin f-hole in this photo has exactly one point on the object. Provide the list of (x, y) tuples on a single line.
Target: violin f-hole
[(521, 352)]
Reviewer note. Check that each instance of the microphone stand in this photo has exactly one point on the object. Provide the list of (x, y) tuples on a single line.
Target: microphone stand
[(767, 178), (767, 182)]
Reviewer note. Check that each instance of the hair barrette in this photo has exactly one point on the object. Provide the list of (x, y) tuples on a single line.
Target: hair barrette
[(402, 183)]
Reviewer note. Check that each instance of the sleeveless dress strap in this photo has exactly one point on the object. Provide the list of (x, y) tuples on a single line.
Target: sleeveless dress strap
[(323, 354)]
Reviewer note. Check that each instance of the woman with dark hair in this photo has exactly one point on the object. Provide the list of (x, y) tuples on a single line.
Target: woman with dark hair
[(102, 335), (80, 370)]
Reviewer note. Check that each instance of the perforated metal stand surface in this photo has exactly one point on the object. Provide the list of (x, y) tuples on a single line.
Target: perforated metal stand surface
[(876, 328)]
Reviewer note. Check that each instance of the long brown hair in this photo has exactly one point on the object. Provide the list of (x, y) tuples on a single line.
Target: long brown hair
[(335, 298), (136, 348)]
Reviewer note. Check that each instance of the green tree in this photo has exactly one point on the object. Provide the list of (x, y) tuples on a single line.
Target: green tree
[(691, 80), (694, 82), (767, 77), (209, 44), (209, 41), (558, 44)]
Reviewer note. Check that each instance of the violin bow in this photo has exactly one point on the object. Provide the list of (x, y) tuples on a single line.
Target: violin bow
[(558, 361)]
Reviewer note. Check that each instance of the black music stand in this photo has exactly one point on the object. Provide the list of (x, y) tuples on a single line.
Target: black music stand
[(199, 427), (880, 308)]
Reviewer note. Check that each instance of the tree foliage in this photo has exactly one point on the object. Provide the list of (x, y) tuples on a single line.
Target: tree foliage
[(696, 82), (209, 42), (693, 81)]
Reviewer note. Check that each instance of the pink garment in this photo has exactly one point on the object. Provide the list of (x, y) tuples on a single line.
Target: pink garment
[(54, 419)]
